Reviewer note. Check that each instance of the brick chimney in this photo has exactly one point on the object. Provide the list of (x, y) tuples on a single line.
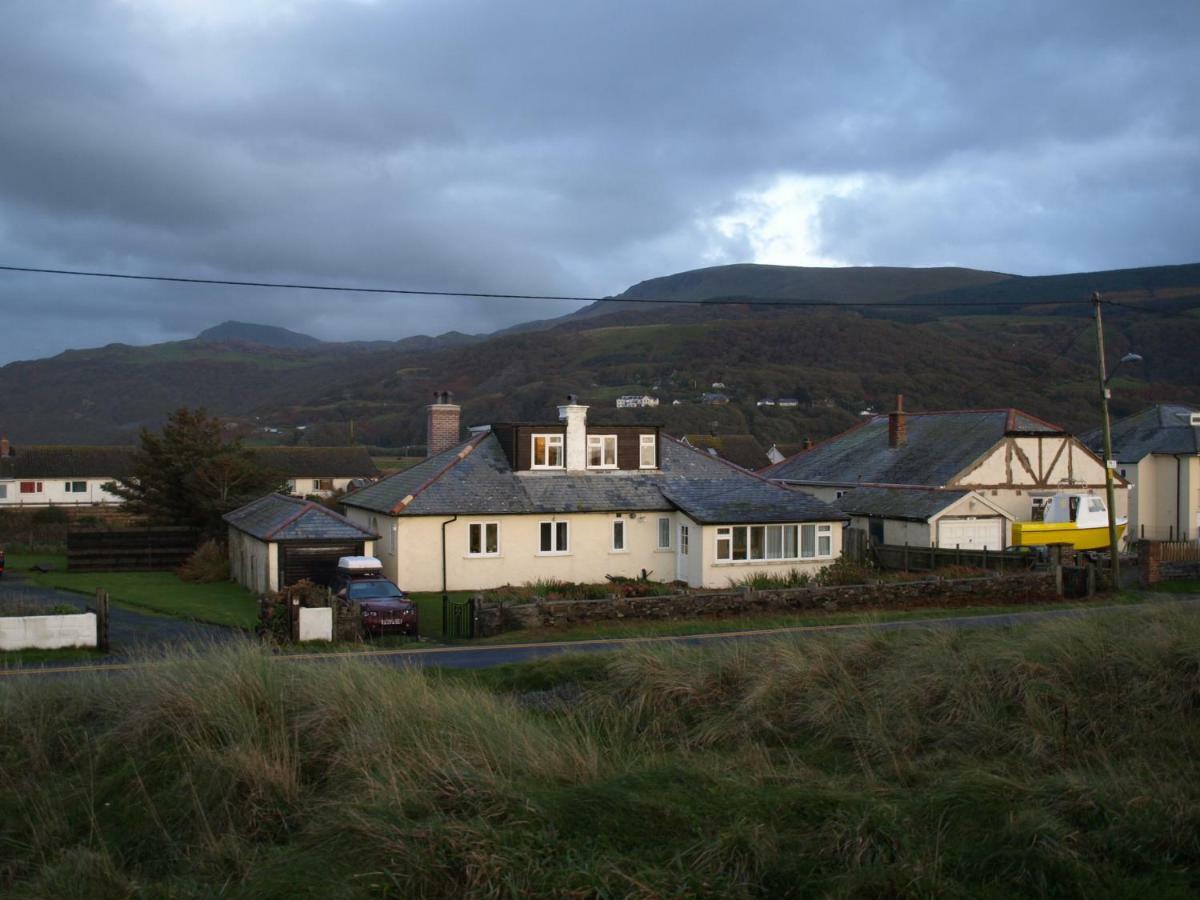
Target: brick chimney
[(443, 422), (575, 415), (897, 425), (4, 446)]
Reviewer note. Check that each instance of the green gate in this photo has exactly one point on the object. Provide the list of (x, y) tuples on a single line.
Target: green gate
[(458, 618)]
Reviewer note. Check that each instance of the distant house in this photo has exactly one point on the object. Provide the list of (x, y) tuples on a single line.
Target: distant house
[(1011, 461), (60, 475), (634, 401), (765, 402), (44, 475), (318, 471), (278, 540), (579, 501), (742, 450), (718, 385), (788, 402), (714, 399), (1158, 450)]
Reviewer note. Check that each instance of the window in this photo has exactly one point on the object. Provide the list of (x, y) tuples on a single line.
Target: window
[(483, 539), (647, 452), (683, 540), (322, 484), (76, 487), (31, 487), (838, 495), (3, 491), (554, 537), (664, 533), (602, 451), (618, 537), (747, 543), (547, 451)]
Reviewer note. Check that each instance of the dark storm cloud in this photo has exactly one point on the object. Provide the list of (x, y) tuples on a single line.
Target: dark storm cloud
[(565, 147)]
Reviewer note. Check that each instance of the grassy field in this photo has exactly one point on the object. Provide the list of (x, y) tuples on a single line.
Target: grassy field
[(1056, 760), (223, 603)]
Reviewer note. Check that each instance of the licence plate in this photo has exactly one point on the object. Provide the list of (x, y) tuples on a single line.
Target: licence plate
[(391, 621)]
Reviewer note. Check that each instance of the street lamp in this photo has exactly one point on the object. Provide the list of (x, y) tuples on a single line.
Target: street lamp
[(1109, 462)]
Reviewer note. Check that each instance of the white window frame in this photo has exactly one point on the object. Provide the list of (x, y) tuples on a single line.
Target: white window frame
[(602, 442), (483, 539), (552, 441), (3, 491), (557, 547), (684, 540), (793, 542), (648, 442), (71, 487), (618, 525), (664, 527)]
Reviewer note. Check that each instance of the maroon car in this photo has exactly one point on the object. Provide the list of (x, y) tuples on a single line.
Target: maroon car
[(385, 608)]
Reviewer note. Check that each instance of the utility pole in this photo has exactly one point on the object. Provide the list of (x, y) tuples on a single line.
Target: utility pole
[(1109, 464)]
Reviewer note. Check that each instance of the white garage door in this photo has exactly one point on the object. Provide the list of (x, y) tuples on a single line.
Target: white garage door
[(971, 534)]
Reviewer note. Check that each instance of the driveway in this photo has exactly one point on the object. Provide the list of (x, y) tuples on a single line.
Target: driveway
[(129, 631)]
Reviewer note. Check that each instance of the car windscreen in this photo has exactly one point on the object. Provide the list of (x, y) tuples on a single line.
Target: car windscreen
[(373, 590)]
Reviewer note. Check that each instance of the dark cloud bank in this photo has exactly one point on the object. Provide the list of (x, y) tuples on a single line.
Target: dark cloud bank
[(566, 147)]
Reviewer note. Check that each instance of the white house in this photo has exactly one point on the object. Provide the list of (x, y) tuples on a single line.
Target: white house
[(634, 401), (60, 475), (1158, 451), (1006, 461), (578, 501)]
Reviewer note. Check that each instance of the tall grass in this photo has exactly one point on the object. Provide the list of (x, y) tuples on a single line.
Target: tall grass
[(1057, 760)]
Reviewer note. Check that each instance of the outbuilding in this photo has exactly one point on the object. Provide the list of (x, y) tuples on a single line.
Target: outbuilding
[(278, 540), (928, 517)]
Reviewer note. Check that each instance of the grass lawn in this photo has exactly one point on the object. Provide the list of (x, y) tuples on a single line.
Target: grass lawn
[(657, 628), (429, 610), (223, 603), (1178, 586), (36, 657)]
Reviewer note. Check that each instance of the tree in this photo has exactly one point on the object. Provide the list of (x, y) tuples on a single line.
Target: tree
[(188, 475)]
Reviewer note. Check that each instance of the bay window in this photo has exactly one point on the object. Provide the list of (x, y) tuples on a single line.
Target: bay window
[(754, 543)]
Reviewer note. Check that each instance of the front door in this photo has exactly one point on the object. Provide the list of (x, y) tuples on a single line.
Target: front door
[(681, 558)]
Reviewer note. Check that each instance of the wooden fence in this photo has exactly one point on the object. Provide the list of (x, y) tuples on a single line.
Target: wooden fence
[(130, 549), (907, 559), (1178, 551)]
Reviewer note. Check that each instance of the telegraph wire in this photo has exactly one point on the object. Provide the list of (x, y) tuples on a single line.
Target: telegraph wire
[(715, 301)]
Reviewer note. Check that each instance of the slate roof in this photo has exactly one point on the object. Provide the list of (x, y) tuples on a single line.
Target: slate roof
[(276, 517), (911, 504), (47, 461), (475, 478), (325, 462), (939, 446), (740, 449), (1163, 428)]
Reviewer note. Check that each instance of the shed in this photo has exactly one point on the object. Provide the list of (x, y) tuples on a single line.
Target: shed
[(278, 540), (927, 517)]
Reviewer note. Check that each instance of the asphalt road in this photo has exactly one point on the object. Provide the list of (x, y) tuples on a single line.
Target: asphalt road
[(129, 631), (480, 657)]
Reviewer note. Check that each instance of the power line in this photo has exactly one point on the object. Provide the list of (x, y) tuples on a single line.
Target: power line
[(715, 301), (1149, 309)]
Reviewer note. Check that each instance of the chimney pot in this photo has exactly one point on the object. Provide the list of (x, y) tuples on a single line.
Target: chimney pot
[(442, 423), (897, 425)]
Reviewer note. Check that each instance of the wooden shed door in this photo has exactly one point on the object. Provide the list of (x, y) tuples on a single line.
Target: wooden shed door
[(316, 562)]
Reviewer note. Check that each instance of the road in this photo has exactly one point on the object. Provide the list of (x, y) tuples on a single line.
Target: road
[(481, 657)]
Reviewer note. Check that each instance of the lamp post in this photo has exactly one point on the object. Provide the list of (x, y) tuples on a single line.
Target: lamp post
[(1109, 462)]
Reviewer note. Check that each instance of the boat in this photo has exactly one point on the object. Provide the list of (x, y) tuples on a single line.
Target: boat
[(1080, 520)]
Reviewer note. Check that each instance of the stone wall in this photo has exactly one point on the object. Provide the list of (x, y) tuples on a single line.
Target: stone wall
[(1027, 587)]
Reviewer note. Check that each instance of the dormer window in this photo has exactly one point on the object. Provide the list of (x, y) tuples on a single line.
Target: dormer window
[(647, 452), (602, 451), (547, 451)]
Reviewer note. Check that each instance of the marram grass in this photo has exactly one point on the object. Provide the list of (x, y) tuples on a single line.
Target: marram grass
[(1058, 760)]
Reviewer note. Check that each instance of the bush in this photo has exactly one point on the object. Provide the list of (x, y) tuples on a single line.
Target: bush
[(208, 564), (764, 581), (844, 571), (51, 515)]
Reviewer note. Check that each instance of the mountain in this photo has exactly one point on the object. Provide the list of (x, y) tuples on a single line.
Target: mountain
[(260, 335), (837, 362)]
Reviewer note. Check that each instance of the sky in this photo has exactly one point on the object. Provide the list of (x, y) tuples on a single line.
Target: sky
[(542, 146)]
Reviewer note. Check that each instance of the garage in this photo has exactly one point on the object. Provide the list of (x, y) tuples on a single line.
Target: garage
[(278, 540), (976, 533)]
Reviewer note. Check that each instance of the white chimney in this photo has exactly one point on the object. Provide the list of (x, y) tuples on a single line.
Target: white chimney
[(575, 416)]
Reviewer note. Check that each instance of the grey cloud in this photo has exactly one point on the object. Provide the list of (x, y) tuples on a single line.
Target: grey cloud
[(568, 148)]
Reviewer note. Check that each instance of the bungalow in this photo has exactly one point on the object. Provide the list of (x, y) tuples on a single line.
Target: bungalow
[(60, 475), (76, 475), (1004, 461), (635, 401), (578, 501), (1158, 450)]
